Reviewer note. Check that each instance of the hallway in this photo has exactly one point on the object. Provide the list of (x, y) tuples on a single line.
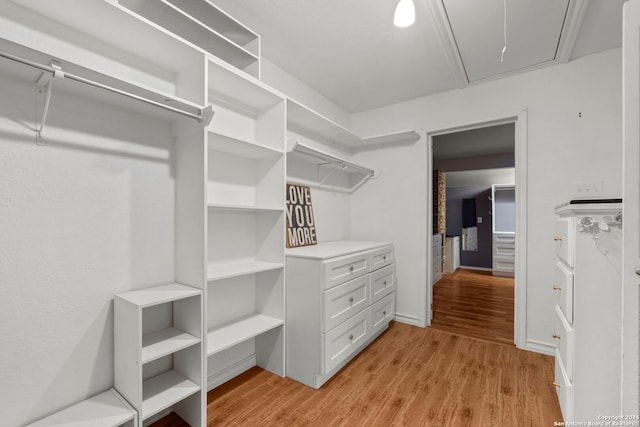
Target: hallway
[(475, 304)]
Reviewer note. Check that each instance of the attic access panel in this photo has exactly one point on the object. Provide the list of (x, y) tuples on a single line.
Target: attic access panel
[(534, 28)]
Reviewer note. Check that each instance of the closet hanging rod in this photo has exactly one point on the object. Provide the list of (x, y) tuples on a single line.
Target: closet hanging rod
[(204, 116)]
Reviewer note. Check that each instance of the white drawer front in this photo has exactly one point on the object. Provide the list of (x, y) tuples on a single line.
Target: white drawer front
[(382, 257), (343, 269), (436, 240), (504, 238), (504, 265), (382, 312), (343, 340), (563, 290), (343, 301), (383, 282), (564, 339), (564, 239), (564, 389), (504, 250)]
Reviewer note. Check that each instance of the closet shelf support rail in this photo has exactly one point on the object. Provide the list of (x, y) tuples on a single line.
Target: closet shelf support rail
[(203, 116)]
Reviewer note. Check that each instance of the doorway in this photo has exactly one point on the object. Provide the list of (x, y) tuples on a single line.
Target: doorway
[(517, 124)]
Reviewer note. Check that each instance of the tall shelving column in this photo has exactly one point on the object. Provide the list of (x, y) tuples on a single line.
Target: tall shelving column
[(245, 226)]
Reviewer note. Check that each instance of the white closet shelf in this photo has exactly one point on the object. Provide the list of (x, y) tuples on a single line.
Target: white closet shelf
[(174, 16), (303, 120), (222, 338), (240, 268), (246, 208), (238, 90), (241, 148), (165, 390), (107, 409), (163, 342), (159, 294)]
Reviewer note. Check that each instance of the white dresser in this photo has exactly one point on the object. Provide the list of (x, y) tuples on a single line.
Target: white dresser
[(451, 254), (587, 287), (340, 297)]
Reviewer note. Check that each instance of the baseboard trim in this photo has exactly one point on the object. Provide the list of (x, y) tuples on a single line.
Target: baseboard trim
[(540, 347), (224, 375), (409, 320), (467, 267)]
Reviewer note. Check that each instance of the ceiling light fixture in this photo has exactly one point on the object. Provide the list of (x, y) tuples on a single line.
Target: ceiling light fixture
[(405, 14)]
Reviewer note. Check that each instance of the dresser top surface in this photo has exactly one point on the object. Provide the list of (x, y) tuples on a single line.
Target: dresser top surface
[(334, 249)]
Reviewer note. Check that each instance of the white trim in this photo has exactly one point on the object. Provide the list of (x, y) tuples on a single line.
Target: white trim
[(409, 320), (469, 267), (224, 375), (520, 284), (540, 347), (570, 29), (448, 41)]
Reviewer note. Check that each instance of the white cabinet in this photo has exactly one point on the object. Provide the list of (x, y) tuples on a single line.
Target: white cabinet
[(245, 193), (340, 297), (158, 351), (587, 289), (437, 255), (503, 208), (451, 254)]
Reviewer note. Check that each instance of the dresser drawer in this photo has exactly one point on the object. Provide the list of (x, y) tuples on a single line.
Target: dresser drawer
[(382, 312), (504, 238), (383, 282), (343, 301), (343, 269), (564, 389), (565, 231), (344, 340), (564, 339), (563, 290), (382, 257)]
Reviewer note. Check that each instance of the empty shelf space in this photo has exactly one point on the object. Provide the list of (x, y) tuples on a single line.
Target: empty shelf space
[(165, 341), (106, 409), (164, 390), (240, 268), (222, 338), (241, 148), (222, 206), (159, 294)]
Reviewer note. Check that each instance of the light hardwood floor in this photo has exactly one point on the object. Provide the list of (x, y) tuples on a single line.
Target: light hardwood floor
[(409, 376), (476, 304)]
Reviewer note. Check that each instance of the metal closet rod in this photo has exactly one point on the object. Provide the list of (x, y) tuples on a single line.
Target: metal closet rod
[(200, 117)]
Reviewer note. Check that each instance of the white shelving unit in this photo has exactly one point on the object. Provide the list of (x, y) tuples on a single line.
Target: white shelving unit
[(204, 25), (158, 351), (245, 189)]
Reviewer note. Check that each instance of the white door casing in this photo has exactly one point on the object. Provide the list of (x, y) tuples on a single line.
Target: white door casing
[(631, 206)]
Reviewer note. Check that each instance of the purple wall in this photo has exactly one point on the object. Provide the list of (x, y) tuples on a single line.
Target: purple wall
[(491, 161), (482, 257)]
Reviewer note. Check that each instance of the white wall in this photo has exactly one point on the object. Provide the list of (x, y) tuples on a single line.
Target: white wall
[(563, 149), (87, 215)]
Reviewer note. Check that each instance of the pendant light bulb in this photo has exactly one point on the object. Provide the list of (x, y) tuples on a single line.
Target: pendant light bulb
[(405, 14)]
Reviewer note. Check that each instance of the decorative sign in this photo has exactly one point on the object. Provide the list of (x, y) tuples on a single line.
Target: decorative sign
[(301, 225)]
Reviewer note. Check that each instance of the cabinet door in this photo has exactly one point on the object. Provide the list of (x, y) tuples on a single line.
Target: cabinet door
[(343, 301)]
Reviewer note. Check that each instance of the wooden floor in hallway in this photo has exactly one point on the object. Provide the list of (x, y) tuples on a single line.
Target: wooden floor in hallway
[(408, 377), (476, 304)]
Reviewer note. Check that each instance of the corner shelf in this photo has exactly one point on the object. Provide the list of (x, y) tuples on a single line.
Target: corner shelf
[(225, 337)]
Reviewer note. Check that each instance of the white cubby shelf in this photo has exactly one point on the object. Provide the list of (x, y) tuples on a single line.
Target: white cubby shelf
[(166, 341), (219, 271), (238, 331), (165, 390)]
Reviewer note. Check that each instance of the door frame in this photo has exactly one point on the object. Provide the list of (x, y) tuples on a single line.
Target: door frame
[(631, 207), (520, 283)]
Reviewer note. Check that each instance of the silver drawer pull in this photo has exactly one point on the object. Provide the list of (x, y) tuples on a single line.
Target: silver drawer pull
[(351, 269), (351, 337), (351, 300), (384, 313), (384, 257), (385, 283)]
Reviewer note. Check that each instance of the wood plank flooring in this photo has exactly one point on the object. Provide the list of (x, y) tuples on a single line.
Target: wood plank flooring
[(474, 303), (409, 376)]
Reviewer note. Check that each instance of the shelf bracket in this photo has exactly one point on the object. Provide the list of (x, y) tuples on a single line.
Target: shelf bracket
[(45, 84)]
